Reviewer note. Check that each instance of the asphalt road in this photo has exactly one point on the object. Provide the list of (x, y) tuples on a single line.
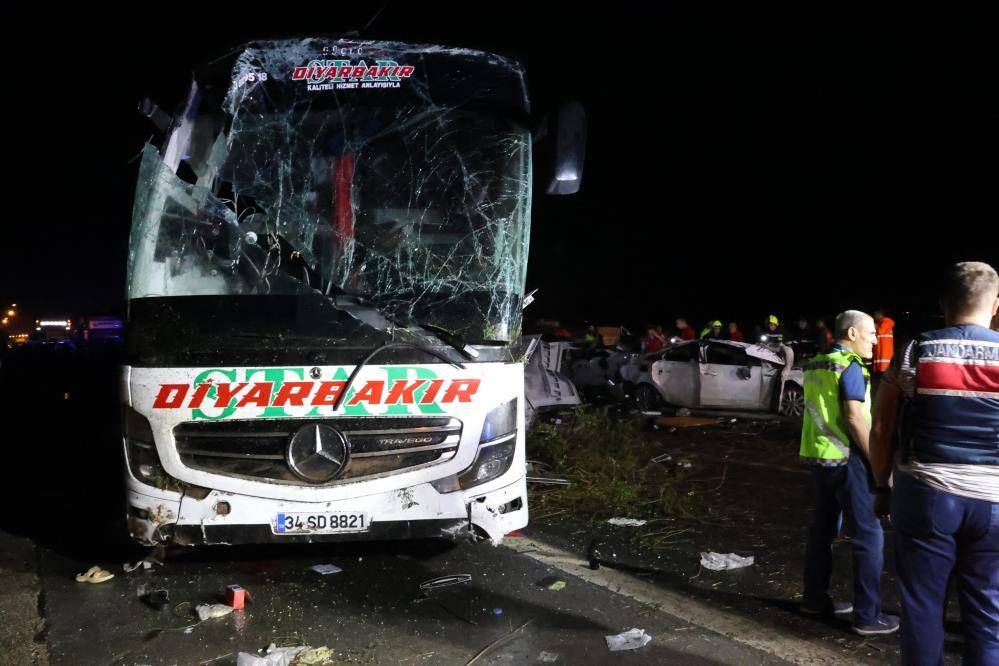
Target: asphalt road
[(372, 612)]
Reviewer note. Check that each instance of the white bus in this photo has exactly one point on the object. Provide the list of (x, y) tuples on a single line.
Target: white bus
[(325, 283)]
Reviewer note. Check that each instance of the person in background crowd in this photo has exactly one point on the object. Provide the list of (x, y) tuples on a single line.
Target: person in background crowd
[(772, 331), (823, 336), (944, 390), (713, 331), (834, 438), (734, 334), (684, 330), (802, 340), (653, 340), (885, 349)]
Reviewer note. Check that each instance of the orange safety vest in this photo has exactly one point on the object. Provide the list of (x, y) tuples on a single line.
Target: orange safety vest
[(885, 347)]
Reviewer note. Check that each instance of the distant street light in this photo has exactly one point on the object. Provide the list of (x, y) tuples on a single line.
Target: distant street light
[(11, 313)]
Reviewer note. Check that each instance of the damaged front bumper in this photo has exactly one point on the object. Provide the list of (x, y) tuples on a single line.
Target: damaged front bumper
[(159, 517)]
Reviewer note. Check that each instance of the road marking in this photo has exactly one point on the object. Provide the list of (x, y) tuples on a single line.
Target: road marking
[(732, 625)]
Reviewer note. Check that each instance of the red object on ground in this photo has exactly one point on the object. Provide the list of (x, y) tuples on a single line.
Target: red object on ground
[(235, 596), (515, 533)]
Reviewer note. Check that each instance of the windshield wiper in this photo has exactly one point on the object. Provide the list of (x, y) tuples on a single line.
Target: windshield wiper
[(451, 340)]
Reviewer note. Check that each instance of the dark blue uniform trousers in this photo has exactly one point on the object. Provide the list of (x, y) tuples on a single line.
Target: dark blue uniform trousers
[(850, 488), (938, 533)]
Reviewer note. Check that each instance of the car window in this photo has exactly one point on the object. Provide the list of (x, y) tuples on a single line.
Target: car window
[(727, 355), (682, 353)]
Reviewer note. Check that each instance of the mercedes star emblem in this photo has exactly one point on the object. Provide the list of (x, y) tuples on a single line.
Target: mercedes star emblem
[(317, 453)]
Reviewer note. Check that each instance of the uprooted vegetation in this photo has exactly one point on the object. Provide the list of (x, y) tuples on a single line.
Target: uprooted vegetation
[(608, 462)]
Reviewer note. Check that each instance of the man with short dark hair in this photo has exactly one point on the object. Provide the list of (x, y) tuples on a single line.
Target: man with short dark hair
[(834, 439), (945, 501)]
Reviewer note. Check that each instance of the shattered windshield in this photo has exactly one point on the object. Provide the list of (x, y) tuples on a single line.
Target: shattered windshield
[(388, 181)]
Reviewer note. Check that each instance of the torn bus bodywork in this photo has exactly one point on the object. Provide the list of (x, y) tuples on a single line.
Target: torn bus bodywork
[(325, 281)]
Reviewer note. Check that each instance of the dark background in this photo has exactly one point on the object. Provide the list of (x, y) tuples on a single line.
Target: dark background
[(742, 160)]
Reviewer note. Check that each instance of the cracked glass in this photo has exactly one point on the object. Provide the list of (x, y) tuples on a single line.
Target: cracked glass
[(372, 186)]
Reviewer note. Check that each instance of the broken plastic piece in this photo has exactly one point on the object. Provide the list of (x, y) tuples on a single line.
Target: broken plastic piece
[(724, 562), (210, 611), (445, 581), (552, 583), (145, 563), (547, 657), (666, 457), (629, 640), (626, 522), (326, 569), (273, 656)]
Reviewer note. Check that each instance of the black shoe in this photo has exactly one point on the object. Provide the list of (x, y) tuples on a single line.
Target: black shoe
[(885, 624)]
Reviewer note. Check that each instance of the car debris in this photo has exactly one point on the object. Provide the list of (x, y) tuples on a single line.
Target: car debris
[(326, 569), (626, 522), (236, 597), (94, 574), (273, 656), (145, 564), (628, 640), (552, 583), (545, 481), (211, 611), (157, 599), (498, 642), (725, 562), (445, 581), (547, 657), (686, 421)]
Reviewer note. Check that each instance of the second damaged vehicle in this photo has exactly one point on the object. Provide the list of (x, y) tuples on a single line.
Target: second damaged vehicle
[(325, 282), (718, 374)]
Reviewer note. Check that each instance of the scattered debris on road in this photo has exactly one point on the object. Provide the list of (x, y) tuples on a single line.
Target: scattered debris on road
[(145, 564), (236, 597), (626, 522), (210, 611), (552, 583), (498, 642), (547, 657), (725, 562), (629, 640), (445, 581), (686, 421), (326, 569), (157, 599)]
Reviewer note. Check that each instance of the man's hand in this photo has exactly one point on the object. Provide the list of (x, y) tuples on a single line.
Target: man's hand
[(857, 425)]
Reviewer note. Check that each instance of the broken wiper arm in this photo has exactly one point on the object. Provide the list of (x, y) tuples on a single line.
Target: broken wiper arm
[(388, 345), (452, 341)]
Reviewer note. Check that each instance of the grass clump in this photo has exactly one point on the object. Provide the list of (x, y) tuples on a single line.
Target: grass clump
[(607, 460)]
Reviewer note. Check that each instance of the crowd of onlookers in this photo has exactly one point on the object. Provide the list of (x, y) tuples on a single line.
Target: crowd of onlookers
[(802, 334)]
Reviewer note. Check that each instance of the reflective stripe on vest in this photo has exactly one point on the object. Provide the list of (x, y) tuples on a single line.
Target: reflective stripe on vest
[(955, 417), (824, 433)]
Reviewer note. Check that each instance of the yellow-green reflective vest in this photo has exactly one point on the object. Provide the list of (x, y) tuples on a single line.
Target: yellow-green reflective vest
[(824, 434)]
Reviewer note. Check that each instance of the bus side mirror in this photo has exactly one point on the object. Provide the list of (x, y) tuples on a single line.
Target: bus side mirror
[(569, 133)]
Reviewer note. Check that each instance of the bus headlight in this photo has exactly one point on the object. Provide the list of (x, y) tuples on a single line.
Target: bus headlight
[(497, 444), (140, 451)]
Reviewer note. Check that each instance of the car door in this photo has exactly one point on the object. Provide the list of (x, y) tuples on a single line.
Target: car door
[(675, 374), (730, 378)]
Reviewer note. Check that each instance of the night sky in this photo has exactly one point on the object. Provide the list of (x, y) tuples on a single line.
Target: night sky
[(740, 161)]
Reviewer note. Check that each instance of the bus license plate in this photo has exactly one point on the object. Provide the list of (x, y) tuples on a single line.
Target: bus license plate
[(320, 523)]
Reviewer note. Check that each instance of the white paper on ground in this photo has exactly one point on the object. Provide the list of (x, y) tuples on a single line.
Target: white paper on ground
[(629, 640), (326, 569), (626, 522), (724, 562)]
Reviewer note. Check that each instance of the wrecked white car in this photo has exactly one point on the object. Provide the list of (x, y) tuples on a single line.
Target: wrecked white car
[(718, 374)]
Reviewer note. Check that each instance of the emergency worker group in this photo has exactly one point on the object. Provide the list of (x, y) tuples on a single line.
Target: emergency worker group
[(926, 456)]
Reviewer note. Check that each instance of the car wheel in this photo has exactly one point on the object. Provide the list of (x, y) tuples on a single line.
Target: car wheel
[(793, 403), (645, 397)]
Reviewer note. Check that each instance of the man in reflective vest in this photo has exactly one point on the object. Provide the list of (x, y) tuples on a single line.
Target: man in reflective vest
[(885, 347), (834, 438), (945, 500)]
